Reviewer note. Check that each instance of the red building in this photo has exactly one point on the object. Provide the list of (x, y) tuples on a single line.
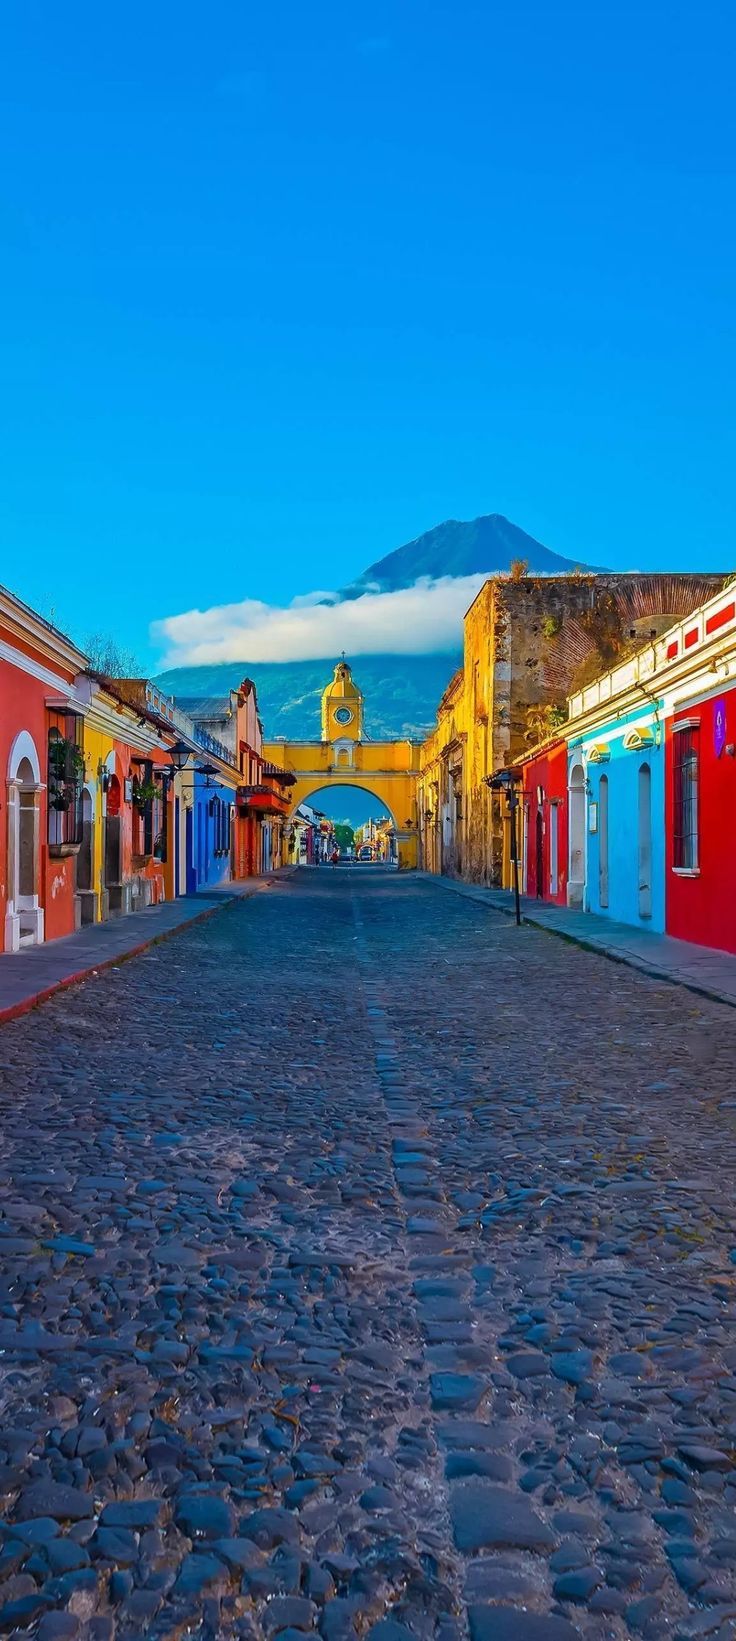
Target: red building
[(700, 811), (543, 817), (262, 808), (41, 756)]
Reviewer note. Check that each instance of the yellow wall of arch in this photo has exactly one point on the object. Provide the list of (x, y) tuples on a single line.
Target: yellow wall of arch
[(388, 770)]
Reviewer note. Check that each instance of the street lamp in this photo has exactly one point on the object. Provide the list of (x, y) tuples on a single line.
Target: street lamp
[(180, 754), (506, 780)]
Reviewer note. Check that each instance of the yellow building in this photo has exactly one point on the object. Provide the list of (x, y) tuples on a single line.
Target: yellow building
[(117, 736), (440, 796), (388, 770), (100, 732)]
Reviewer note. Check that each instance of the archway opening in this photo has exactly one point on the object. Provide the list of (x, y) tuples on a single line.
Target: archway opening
[(348, 821), (112, 849), (603, 842), (27, 842), (645, 842), (85, 862), (24, 919), (576, 875)]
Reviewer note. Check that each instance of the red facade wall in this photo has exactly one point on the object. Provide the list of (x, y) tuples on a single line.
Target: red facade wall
[(162, 876), (57, 894), (23, 706), (702, 908), (547, 770)]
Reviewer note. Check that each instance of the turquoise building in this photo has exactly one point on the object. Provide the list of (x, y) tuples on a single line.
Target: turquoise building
[(616, 793)]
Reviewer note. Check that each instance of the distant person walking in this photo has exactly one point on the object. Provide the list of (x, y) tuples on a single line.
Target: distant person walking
[(335, 856)]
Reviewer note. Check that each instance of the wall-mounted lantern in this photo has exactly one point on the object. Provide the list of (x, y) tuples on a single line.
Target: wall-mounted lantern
[(180, 754)]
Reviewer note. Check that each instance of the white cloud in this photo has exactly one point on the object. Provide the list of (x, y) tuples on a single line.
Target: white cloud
[(413, 621)]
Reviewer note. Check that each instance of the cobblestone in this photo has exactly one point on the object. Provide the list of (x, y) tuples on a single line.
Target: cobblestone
[(367, 1268)]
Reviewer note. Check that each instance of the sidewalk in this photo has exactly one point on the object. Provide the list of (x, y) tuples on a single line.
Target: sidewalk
[(29, 977), (701, 969)]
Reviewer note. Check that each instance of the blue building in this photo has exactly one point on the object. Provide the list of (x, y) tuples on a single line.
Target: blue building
[(208, 792), (208, 832), (616, 793)]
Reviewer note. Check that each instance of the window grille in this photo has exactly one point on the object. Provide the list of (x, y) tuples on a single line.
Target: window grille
[(220, 812), (161, 827), (65, 780), (685, 806), (148, 813)]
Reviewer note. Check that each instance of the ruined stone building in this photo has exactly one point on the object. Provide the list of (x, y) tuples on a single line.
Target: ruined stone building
[(529, 642)]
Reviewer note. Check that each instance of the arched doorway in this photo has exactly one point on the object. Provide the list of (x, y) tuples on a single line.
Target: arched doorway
[(645, 841), (86, 897), (539, 853), (576, 876), (24, 915), (603, 842), (112, 853)]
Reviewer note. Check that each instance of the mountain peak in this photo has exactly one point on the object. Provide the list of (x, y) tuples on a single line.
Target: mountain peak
[(486, 545)]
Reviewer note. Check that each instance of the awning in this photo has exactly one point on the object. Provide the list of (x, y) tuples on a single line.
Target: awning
[(639, 736)]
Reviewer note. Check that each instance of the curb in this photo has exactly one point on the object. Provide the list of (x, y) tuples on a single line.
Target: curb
[(15, 1011), (639, 965)]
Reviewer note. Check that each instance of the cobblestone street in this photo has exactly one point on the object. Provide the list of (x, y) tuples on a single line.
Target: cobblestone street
[(368, 1267)]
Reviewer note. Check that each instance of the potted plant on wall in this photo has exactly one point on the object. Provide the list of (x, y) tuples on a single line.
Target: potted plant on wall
[(144, 792), (66, 771), (66, 759)]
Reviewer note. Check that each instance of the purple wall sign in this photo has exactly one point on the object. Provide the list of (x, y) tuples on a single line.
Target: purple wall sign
[(719, 726)]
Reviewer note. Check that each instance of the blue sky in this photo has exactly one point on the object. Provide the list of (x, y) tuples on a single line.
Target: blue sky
[(349, 803), (283, 286)]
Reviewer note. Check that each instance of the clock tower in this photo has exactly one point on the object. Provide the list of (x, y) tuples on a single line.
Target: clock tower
[(342, 707)]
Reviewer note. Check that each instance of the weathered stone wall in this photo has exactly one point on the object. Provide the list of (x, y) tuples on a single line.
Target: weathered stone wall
[(530, 643), (482, 666)]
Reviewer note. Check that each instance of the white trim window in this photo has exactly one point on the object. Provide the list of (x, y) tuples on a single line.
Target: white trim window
[(685, 786)]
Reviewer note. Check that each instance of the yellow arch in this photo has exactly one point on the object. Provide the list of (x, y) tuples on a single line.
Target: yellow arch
[(388, 770)]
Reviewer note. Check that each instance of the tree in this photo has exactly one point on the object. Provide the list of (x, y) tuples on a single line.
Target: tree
[(344, 835), (543, 721), (111, 658)]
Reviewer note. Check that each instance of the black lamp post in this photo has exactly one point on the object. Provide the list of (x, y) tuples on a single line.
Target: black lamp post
[(506, 780)]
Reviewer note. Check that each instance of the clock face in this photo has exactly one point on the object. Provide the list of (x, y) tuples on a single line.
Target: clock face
[(343, 715)]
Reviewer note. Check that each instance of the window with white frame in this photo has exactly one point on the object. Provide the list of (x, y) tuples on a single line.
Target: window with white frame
[(686, 759)]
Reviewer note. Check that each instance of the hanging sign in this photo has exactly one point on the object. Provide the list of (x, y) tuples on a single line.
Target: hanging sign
[(719, 726)]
